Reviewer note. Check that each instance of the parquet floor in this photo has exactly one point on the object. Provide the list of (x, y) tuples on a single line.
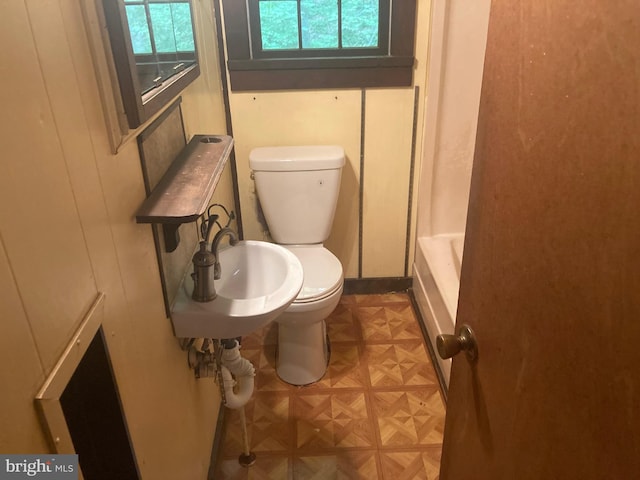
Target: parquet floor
[(376, 414)]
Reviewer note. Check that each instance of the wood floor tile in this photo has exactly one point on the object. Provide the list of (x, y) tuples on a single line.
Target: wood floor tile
[(376, 414), (423, 465), (399, 364), (409, 418), (333, 420), (267, 379), (347, 465), (345, 369), (391, 322), (415, 364), (383, 365), (343, 325), (268, 425), (266, 467), (348, 300)]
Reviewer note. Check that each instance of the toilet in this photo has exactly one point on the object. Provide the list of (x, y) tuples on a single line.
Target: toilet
[(298, 190)]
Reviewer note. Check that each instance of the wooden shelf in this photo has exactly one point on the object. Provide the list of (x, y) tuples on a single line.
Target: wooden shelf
[(185, 190)]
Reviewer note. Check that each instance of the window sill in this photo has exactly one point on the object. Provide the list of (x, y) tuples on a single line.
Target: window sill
[(315, 73)]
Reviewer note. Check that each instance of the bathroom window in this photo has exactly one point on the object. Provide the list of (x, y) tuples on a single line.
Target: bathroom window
[(319, 28), (285, 44), (154, 51)]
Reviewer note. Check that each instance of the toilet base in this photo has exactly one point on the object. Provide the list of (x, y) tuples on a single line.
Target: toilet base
[(303, 352)]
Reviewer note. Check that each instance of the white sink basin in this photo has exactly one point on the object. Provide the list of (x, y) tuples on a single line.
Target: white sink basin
[(259, 281)]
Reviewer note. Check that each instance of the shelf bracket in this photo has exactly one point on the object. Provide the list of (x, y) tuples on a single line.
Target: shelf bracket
[(171, 236)]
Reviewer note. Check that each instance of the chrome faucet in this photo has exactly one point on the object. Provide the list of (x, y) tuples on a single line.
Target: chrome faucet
[(233, 239)]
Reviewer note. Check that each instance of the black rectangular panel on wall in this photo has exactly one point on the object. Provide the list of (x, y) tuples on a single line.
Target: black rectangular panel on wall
[(95, 420), (159, 145)]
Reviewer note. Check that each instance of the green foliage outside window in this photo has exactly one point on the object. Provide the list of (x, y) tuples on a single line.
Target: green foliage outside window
[(319, 21), (170, 24)]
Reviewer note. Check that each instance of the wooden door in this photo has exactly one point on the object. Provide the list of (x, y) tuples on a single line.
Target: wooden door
[(551, 272)]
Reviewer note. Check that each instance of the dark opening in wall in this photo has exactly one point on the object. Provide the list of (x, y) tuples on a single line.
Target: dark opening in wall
[(94, 417)]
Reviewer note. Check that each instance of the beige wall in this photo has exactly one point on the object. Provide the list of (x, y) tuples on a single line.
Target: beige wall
[(67, 232), (334, 117)]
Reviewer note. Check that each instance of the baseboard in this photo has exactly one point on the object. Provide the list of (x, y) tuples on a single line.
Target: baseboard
[(432, 353), (216, 449), (363, 286)]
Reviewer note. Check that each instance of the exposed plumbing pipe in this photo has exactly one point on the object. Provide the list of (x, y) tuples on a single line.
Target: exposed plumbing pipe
[(233, 363)]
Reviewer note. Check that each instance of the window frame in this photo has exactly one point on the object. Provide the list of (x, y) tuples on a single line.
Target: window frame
[(140, 107), (247, 72)]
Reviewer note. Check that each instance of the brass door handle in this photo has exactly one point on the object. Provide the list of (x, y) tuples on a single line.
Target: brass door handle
[(450, 345)]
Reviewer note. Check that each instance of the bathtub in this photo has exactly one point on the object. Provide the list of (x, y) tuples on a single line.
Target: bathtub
[(436, 282)]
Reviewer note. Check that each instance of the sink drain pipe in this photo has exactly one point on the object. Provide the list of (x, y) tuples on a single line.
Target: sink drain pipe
[(235, 378), (231, 362), (234, 365)]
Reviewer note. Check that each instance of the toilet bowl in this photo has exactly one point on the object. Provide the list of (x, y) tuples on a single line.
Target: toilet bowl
[(303, 349), (298, 191)]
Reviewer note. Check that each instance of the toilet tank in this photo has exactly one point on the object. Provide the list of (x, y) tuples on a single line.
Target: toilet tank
[(298, 189)]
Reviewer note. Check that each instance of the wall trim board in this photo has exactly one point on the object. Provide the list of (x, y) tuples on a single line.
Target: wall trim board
[(363, 286), (363, 111), (47, 400), (217, 7), (117, 127), (412, 169), (218, 436), (56, 405)]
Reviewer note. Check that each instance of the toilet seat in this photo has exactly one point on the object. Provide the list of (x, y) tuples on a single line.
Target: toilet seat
[(322, 272)]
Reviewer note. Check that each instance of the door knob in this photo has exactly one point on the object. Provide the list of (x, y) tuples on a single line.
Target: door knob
[(450, 345)]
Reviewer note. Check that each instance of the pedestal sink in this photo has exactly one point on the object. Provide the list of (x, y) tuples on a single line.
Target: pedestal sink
[(259, 281)]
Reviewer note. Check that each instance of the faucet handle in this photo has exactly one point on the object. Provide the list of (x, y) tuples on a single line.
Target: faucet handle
[(206, 225), (232, 217), (230, 214)]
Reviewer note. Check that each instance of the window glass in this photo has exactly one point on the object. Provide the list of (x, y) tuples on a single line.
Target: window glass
[(360, 23), (182, 27), (325, 24), (171, 24), (139, 29), (279, 25), (163, 31), (319, 20)]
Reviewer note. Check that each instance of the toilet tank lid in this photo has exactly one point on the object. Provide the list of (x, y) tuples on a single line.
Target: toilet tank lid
[(300, 158)]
